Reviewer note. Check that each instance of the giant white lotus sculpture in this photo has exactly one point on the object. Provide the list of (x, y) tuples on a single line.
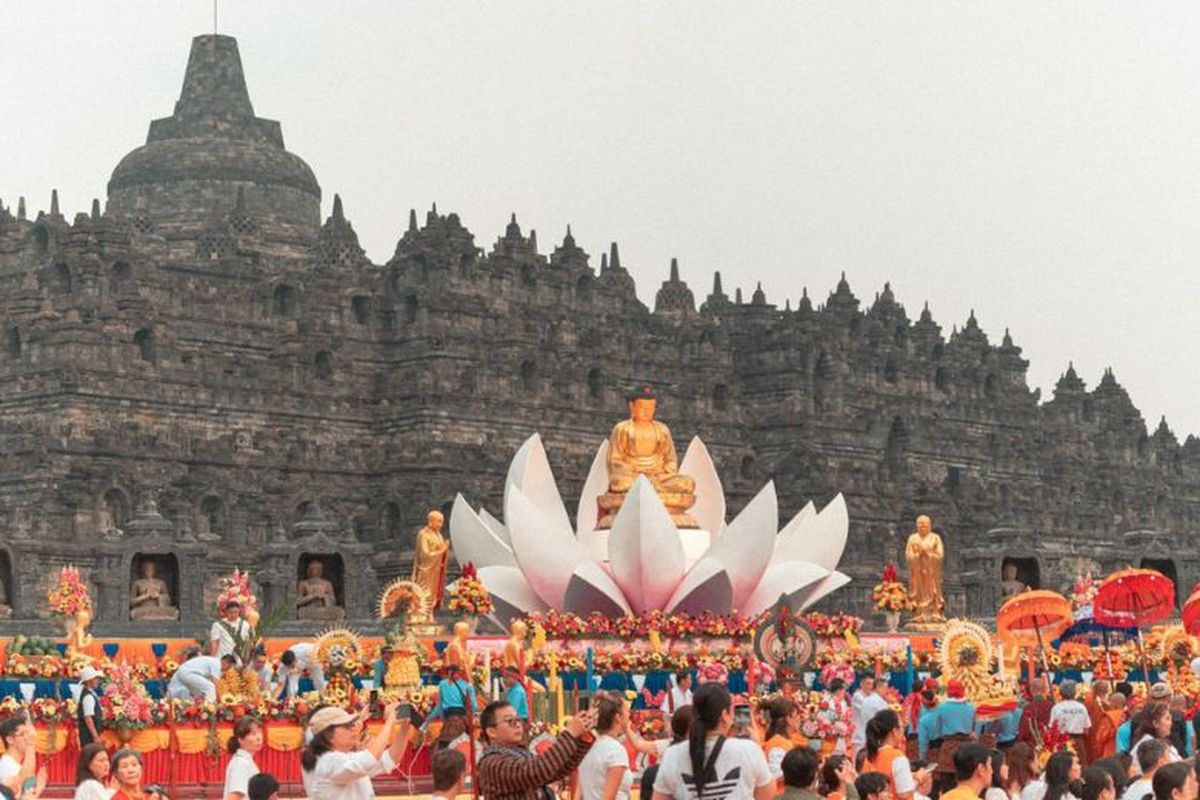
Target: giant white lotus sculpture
[(536, 560)]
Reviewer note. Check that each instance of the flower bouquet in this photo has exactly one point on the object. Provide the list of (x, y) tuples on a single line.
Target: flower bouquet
[(890, 596), (70, 600), (126, 703), (469, 597), (235, 588), (832, 626), (1083, 592)]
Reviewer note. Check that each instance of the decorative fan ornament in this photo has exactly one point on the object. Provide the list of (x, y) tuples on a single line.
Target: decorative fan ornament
[(965, 654), (338, 644), (407, 597)]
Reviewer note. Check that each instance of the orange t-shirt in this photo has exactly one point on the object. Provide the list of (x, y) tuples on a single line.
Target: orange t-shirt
[(882, 763)]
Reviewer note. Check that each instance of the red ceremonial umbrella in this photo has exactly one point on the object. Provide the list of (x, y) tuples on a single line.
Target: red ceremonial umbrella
[(1191, 613), (1136, 597)]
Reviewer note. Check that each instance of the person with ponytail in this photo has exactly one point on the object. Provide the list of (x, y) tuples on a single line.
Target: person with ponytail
[(1175, 782), (1060, 781), (885, 747), (783, 723), (712, 766)]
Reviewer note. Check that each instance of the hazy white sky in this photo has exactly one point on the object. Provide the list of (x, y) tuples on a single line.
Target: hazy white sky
[(1035, 161)]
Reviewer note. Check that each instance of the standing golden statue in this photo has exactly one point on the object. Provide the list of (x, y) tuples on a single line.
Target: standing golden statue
[(433, 556), (925, 555), (641, 445)]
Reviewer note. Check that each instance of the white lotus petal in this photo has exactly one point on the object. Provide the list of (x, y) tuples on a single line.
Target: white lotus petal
[(746, 547), (644, 549), (530, 473), (596, 484), (813, 594), (546, 552), (511, 592), (821, 538), (591, 589), (706, 587), (495, 526), (789, 544), (782, 579), (473, 541), (709, 511)]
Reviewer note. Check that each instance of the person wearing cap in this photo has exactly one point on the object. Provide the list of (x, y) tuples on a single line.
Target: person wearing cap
[(1072, 718), (928, 739), (924, 697), (228, 631), (335, 766), (89, 714), (381, 665), (456, 701)]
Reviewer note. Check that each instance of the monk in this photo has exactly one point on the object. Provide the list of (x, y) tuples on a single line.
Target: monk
[(433, 556), (1101, 738)]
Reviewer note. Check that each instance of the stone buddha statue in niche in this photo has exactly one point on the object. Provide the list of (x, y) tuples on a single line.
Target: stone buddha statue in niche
[(317, 598), (642, 445), (149, 597)]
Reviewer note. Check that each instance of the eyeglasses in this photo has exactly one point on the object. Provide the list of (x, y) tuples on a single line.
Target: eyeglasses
[(514, 721)]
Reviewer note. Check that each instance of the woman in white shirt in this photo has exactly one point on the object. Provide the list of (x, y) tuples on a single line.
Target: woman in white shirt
[(334, 766), (709, 765), (1155, 723), (605, 772), (91, 775), (244, 745)]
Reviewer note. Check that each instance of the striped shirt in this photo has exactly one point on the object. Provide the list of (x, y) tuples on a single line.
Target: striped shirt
[(506, 773)]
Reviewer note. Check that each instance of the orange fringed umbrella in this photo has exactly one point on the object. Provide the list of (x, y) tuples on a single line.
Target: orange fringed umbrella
[(1134, 597), (1033, 617)]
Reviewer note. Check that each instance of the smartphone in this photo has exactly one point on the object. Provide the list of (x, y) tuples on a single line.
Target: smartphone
[(404, 711), (741, 715), (585, 702)]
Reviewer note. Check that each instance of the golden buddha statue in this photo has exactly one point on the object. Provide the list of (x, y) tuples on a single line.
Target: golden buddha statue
[(433, 556), (925, 555), (514, 648), (457, 651), (642, 445)]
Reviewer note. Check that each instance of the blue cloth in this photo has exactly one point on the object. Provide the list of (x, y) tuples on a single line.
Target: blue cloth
[(1004, 727), (380, 672), (1124, 734), (954, 718), (926, 731), (516, 698), (453, 695)]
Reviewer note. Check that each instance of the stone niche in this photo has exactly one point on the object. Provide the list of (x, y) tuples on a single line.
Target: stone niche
[(8, 601), (154, 573), (332, 568), (1028, 571)]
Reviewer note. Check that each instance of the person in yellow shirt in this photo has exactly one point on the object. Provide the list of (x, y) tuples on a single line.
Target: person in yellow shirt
[(973, 769)]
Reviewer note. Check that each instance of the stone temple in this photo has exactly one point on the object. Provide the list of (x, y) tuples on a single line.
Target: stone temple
[(201, 374)]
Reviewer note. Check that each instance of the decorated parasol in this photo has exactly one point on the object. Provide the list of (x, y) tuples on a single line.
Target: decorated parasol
[(1033, 617), (1134, 597), (1191, 613)]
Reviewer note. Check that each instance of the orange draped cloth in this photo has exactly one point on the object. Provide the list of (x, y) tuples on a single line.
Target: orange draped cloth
[(1101, 737)]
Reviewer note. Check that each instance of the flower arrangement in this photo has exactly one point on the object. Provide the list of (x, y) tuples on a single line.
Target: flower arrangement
[(832, 626), (1083, 591), (559, 625), (235, 588), (890, 594), (70, 596), (126, 701), (837, 669), (469, 595), (713, 672), (51, 711), (822, 718)]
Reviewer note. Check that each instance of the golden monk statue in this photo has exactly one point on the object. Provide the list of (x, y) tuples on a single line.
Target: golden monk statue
[(433, 556), (641, 445), (925, 555), (149, 597), (456, 652), (514, 648)]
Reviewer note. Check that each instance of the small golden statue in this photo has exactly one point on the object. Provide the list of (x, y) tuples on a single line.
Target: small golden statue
[(514, 648), (433, 556), (457, 653), (641, 445), (925, 556)]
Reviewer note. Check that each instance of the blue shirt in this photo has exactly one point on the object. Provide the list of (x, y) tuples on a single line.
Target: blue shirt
[(380, 672), (954, 718), (1005, 727), (516, 698), (1124, 734), (926, 731), (453, 696)]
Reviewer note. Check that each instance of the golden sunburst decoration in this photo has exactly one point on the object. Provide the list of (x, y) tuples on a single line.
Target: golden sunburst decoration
[(403, 592), (964, 644), (338, 637)]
